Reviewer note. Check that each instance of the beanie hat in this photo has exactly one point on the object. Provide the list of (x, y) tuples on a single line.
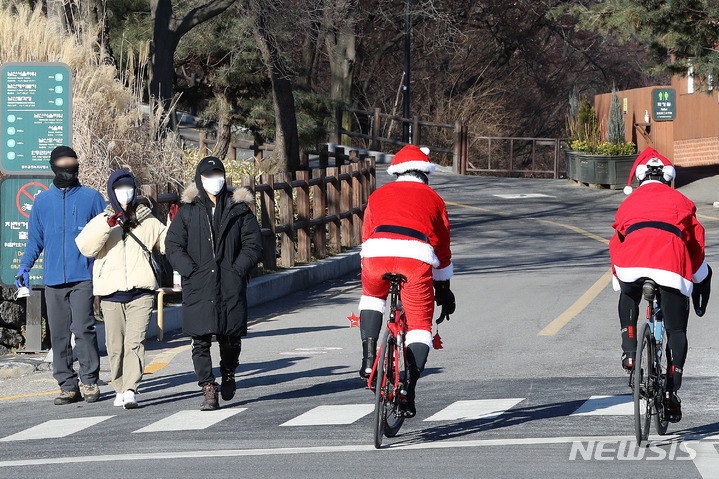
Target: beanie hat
[(61, 152), (649, 157), (409, 158)]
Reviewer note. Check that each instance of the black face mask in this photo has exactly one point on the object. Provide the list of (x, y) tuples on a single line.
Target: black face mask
[(65, 176)]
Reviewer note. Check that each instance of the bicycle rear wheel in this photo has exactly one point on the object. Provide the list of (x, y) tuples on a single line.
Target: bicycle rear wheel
[(644, 385), (660, 422), (393, 416), (380, 390)]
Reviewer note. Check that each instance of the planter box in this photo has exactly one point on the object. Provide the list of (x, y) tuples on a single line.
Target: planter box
[(608, 171)]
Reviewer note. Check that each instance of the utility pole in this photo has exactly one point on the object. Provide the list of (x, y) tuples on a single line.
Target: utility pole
[(406, 113)]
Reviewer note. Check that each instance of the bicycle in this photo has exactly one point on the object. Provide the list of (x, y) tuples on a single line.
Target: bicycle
[(389, 372), (649, 380)]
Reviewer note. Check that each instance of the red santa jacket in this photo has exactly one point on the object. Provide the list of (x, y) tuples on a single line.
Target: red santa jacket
[(409, 204), (658, 237)]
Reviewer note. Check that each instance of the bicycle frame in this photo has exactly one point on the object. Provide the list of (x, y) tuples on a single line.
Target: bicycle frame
[(397, 326)]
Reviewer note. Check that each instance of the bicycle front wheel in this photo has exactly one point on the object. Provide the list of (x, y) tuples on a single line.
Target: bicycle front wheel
[(380, 391), (394, 416), (644, 378)]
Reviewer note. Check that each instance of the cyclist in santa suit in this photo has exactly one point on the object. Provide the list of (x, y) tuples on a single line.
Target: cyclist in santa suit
[(658, 237), (406, 231)]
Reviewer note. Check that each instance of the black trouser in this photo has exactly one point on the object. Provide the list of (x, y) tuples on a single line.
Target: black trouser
[(230, 347), (70, 311), (675, 308)]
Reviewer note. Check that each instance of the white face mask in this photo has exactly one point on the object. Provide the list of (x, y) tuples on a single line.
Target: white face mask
[(213, 185), (124, 194)]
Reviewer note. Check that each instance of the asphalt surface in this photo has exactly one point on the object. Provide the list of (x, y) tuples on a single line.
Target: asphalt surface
[(529, 380)]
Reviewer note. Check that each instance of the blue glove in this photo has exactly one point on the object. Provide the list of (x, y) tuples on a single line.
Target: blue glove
[(23, 277)]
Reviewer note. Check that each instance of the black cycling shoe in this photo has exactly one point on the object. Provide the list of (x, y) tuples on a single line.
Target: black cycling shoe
[(408, 408), (369, 351), (672, 407)]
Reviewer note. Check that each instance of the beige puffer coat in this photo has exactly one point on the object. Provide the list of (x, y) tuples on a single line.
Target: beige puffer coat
[(120, 264)]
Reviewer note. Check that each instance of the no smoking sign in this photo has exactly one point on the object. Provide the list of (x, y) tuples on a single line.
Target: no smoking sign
[(17, 197)]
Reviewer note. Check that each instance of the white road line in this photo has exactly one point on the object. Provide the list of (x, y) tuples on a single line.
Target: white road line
[(352, 448), (331, 415), (56, 428), (707, 458), (475, 409), (517, 196), (191, 420), (622, 405)]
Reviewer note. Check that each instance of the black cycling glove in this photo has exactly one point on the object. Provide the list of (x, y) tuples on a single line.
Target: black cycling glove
[(444, 297), (700, 295)]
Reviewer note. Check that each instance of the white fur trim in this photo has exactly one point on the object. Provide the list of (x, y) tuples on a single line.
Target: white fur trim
[(421, 336), (400, 168), (660, 276), (615, 284), (628, 190), (443, 274), (397, 248), (701, 273), (409, 178), (370, 303)]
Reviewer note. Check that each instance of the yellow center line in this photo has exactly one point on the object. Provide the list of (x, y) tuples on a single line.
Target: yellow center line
[(159, 362), (699, 215), (560, 321), (570, 313)]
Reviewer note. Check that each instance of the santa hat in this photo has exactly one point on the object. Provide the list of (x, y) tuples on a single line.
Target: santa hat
[(649, 157), (409, 158)]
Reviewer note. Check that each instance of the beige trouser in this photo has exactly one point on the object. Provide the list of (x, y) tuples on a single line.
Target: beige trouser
[(125, 330)]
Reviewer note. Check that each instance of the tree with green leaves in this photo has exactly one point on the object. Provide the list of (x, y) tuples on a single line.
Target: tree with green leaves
[(680, 34)]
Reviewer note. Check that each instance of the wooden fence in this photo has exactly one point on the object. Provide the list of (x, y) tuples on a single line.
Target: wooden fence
[(510, 156), (313, 212)]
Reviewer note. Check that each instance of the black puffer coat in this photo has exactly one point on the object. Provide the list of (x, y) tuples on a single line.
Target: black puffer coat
[(214, 279)]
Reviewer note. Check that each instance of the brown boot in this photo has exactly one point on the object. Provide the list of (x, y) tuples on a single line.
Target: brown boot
[(68, 397), (211, 401)]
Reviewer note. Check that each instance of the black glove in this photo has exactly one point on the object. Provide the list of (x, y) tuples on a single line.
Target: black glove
[(444, 297), (700, 295)]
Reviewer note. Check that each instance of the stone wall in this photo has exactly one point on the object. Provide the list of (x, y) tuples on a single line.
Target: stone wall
[(12, 321)]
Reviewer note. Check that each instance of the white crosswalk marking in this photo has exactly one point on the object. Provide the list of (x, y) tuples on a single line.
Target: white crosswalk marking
[(190, 420), (622, 405), (56, 428), (331, 415), (474, 409)]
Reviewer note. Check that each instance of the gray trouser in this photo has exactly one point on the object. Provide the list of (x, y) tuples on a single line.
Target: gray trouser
[(70, 311)]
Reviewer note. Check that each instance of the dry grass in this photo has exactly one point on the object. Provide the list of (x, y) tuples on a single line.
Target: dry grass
[(109, 129)]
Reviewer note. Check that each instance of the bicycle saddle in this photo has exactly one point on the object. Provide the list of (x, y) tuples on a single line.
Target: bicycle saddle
[(394, 278), (649, 290)]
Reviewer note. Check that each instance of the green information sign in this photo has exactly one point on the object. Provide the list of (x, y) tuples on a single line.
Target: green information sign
[(664, 101), (17, 195), (35, 115)]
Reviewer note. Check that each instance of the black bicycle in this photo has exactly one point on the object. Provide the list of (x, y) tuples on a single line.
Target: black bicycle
[(389, 373), (650, 371)]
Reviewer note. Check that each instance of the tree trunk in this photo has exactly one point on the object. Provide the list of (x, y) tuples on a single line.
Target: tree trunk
[(224, 125), (167, 30), (287, 146), (341, 50), (162, 55)]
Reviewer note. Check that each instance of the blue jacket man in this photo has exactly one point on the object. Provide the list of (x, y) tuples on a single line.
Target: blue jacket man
[(57, 217)]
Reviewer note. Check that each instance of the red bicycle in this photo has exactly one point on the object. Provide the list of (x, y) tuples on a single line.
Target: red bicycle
[(389, 373)]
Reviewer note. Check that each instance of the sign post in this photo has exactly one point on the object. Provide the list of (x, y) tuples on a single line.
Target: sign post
[(35, 115), (664, 104)]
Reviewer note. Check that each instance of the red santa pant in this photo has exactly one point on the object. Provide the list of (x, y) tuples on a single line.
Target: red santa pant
[(417, 293)]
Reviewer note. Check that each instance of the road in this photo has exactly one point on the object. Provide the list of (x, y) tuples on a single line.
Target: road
[(529, 380)]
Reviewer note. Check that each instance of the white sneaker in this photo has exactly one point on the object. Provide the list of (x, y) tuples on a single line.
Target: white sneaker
[(130, 400), (119, 400)]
